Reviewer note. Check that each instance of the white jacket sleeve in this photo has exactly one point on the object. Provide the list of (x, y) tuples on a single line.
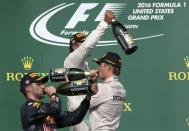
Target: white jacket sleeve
[(81, 54), (104, 94)]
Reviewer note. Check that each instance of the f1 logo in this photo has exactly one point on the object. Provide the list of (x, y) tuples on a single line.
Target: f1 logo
[(81, 16)]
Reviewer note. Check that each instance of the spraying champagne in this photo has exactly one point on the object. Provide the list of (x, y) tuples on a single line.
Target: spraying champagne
[(123, 37)]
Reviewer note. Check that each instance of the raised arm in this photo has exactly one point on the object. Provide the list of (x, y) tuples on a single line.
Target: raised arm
[(79, 55)]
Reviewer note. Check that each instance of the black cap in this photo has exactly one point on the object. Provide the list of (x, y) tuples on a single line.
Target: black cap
[(110, 58), (78, 37), (31, 78)]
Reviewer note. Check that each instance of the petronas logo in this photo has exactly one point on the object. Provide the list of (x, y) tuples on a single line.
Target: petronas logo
[(186, 59), (27, 62)]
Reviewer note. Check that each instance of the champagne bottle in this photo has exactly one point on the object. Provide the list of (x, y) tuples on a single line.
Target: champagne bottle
[(59, 74), (79, 87), (123, 37)]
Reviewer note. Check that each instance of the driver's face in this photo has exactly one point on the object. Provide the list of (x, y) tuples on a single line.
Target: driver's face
[(37, 90)]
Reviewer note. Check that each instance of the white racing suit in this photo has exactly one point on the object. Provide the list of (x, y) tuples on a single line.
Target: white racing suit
[(78, 59)]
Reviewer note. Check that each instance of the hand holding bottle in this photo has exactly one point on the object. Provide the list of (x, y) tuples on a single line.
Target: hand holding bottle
[(94, 75), (109, 16), (50, 90), (94, 88)]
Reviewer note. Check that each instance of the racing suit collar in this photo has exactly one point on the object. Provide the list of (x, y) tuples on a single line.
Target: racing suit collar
[(110, 79)]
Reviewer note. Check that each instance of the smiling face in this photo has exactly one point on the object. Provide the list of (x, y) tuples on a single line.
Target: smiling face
[(36, 90)]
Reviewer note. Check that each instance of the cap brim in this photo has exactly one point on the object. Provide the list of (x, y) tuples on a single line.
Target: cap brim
[(97, 61), (42, 79)]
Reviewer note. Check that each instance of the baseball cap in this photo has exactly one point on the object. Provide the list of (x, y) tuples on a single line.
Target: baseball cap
[(110, 58), (30, 78), (78, 37)]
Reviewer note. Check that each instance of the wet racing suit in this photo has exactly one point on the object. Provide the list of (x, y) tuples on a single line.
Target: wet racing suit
[(39, 116)]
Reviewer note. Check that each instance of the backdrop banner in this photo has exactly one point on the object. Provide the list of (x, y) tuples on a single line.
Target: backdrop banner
[(34, 36)]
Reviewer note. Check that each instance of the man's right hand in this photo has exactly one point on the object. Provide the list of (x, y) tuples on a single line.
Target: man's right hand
[(50, 90), (94, 88), (109, 15), (94, 75)]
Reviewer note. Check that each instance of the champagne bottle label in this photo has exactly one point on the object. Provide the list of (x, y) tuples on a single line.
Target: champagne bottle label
[(58, 74), (79, 87), (78, 82), (129, 38), (59, 70)]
